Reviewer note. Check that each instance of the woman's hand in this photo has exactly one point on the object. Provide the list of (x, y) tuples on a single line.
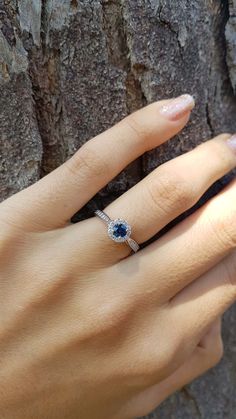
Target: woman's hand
[(89, 330)]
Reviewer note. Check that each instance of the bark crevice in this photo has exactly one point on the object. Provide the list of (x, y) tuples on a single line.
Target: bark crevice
[(167, 24), (208, 119), (119, 53), (225, 50), (45, 78)]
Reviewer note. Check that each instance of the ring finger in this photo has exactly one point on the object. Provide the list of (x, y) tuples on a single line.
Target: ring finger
[(167, 192)]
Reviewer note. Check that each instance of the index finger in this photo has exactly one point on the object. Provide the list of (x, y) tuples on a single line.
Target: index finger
[(53, 200)]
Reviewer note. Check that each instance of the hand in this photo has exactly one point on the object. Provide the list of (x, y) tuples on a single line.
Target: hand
[(89, 330)]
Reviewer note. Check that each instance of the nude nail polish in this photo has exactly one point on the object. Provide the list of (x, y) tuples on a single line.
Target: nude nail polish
[(232, 143), (178, 107)]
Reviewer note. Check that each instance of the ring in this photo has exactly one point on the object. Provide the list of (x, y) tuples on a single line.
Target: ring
[(118, 230)]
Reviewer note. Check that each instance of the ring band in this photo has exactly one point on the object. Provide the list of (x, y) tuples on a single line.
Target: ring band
[(118, 230)]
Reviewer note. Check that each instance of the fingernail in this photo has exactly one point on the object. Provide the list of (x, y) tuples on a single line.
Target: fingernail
[(232, 143), (178, 107)]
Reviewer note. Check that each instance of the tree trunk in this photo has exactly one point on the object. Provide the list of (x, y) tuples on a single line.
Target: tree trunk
[(70, 69)]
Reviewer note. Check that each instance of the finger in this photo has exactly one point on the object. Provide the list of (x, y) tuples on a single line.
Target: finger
[(168, 191), (187, 251), (204, 357), (54, 199), (207, 298), (212, 335)]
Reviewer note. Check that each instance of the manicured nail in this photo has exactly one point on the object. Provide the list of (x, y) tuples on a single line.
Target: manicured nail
[(232, 143), (178, 107)]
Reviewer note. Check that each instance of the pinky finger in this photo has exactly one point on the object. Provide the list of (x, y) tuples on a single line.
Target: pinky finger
[(205, 356)]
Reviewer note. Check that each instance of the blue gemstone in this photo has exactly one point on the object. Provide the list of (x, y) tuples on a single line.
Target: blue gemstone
[(119, 230)]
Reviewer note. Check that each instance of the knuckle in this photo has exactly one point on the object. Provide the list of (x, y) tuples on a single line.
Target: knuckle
[(219, 152), (223, 229), (138, 129), (87, 161), (153, 363), (167, 190), (229, 266), (228, 229), (12, 240), (218, 148), (110, 319), (142, 370), (215, 353), (173, 352)]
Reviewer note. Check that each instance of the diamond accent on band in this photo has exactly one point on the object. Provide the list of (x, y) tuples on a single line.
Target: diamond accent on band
[(134, 246), (119, 230), (103, 216)]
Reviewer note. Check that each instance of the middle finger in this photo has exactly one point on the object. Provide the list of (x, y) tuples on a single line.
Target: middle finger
[(186, 252)]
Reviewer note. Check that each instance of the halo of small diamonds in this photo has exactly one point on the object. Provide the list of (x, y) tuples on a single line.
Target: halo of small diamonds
[(119, 230)]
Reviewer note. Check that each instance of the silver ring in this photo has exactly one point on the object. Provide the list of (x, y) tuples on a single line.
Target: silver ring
[(118, 230)]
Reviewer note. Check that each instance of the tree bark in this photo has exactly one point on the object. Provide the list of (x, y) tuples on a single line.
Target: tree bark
[(70, 69)]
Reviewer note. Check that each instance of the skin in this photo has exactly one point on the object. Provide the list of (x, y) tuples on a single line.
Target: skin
[(89, 330)]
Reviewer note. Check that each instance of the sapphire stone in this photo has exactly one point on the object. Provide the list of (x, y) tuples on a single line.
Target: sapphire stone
[(119, 230)]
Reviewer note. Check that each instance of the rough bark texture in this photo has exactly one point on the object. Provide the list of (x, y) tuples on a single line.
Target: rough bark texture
[(69, 69)]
